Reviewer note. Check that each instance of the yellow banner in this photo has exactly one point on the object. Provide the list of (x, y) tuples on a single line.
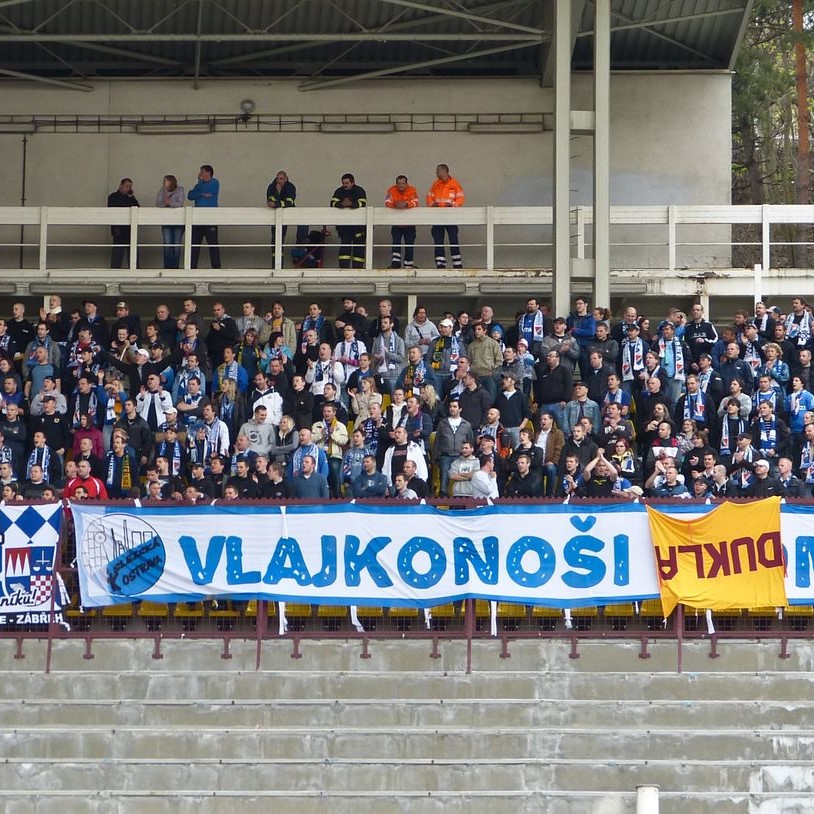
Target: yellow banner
[(728, 558)]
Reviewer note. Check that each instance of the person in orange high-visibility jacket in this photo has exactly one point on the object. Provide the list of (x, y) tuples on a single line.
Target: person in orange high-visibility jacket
[(446, 192), (351, 238), (402, 196)]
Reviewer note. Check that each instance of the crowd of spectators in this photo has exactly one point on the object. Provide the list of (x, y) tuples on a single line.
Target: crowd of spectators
[(364, 406)]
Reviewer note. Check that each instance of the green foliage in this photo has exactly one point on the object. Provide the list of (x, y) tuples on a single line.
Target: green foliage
[(764, 112)]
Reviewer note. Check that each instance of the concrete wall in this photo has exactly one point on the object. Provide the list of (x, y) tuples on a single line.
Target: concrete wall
[(670, 143)]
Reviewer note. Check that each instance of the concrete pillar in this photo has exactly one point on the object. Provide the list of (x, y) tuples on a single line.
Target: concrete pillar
[(412, 304), (188, 213), (601, 191), (43, 258), (703, 300), (647, 799), (277, 248), (561, 300), (133, 254)]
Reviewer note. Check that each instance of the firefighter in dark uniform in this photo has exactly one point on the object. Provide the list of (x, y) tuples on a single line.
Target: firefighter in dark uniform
[(351, 238)]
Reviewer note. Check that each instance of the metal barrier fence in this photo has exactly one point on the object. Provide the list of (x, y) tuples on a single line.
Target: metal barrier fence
[(670, 238)]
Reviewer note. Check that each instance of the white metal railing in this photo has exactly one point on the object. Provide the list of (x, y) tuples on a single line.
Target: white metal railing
[(655, 237)]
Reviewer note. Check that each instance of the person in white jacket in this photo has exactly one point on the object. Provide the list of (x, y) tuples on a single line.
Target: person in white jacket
[(401, 451), (484, 481), (325, 369), (153, 403)]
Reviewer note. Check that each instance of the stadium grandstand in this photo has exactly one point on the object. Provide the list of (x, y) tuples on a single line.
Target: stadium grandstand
[(316, 496)]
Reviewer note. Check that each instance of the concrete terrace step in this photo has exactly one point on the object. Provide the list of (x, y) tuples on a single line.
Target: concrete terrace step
[(373, 775), (402, 732), (472, 712), (280, 685), (462, 743), (315, 802)]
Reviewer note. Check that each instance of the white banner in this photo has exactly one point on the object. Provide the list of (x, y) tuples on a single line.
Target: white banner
[(560, 556), (28, 546), (797, 535)]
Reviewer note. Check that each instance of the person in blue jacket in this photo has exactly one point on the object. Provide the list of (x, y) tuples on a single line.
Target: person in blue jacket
[(582, 325), (205, 194)]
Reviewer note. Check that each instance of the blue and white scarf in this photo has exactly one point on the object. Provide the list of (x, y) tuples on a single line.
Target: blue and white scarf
[(725, 436), (172, 453), (530, 327), (632, 359), (299, 453), (678, 356), (414, 377), (801, 331), (768, 435), (41, 456), (309, 324), (695, 408), (199, 451), (807, 462), (324, 370), (90, 408), (383, 352), (350, 351), (771, 397), (228, 371), (752, 357)]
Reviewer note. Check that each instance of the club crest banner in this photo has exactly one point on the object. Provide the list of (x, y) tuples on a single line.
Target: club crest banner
[(728, 558), (28, 546)]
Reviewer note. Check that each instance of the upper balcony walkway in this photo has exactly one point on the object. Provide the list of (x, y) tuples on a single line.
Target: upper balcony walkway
[(655, 250)]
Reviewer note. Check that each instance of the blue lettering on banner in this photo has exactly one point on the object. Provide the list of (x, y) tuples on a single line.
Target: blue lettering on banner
[(358, 561), (202, 573), (287, 562), (327, 574), (547, 559), (805, 561), (437, 558), (575, 555), (235, 575), (465, 554), (621, 560)]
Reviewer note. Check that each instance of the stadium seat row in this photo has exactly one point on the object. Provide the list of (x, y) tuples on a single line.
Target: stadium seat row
[(191, 613)]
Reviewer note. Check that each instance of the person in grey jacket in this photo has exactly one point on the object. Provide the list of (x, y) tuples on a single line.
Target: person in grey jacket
[(562, 342), (581, 406), (420, 332), (171, 196), (387, 353), (450, 435), (260, 433)]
